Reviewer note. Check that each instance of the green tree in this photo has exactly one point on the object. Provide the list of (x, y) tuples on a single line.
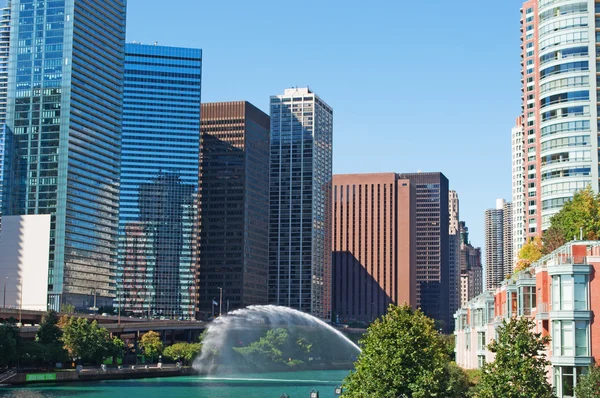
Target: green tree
[(402, 353), (68, 309), (529, 253), (48, 331), (85, 340), (583, 211), (553, 238), (8, 344), (519, 369), (151, 344), (116, 348), (268, 349), (588, 386), (184, 352)]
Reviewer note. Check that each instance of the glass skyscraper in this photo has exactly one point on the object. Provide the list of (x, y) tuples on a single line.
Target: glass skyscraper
[(159, 181), (63, 137), (4, 49), (300, 202)]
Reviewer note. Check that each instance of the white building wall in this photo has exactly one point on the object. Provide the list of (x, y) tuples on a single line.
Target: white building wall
[(24, 252), (518, 191)]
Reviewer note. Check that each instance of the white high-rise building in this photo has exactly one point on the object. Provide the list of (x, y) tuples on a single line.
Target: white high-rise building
[(454, 255), (300, 202), (518, 189), (498, 244)]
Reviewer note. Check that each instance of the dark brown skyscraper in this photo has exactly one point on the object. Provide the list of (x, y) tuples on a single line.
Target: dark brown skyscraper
[(233, 206), (433, 253), (374, 242)]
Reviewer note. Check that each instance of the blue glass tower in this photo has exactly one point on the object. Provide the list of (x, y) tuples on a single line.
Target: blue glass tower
[(63, 137), (159, 181)]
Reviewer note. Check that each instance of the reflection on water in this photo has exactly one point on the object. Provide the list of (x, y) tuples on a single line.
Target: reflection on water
[(295, 384)]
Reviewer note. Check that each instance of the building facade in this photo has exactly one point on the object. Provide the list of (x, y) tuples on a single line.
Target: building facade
[(559, 119), (433, 252), (159, 181), (471, 271), (233, 206), (63, 137), (498, 244), (374, 245), (5, 10), (559, 292), (519, 230), (300, 202), (453, 254), (24, 252)]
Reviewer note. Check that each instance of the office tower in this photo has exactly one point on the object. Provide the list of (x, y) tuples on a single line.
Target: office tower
[(300, 202), (159, 181), (433, 263), (471, 271), (63, 137), (374, 245), (233, 206), (4, 52), (518, 189), (498, 244), (453, 254), (559, 105)]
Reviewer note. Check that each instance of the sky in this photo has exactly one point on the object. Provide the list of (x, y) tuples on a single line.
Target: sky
[(414, 85)]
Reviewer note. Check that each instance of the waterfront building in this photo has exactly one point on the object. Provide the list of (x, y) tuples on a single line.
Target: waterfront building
[(471, 271), (24, 252), (300, 202), (63, 137), (4, 52), (453, 254), (233, 207), (518, 189), (560, 294), (498, 244), (559, 106), (158, 218), (432, 245), (374, 245)]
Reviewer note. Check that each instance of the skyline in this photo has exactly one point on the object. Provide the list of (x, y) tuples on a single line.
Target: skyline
[(362, 89)]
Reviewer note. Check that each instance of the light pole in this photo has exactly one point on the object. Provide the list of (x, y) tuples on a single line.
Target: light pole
[(4, 299), (220, 299)]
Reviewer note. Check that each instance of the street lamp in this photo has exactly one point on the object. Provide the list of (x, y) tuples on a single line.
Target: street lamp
[(220, 299), (4, 300)]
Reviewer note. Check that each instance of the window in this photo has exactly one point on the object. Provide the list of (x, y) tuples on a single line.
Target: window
[(481, 340), (527, 300), (581, 300), (480, 361)]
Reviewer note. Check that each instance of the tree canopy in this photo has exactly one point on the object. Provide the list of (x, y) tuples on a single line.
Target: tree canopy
[(583, 211), (151, 344), (86, 340), (519, 368), (588, 386), (184, 352), (48, 331), (403, 353)]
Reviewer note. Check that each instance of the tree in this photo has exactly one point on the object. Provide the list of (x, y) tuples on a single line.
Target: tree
[(184, 352), (116, 349), (529, 253), (553, 238), (85, 340), (402, 353), (583, 211), (519, 369), (588, 386), (8, 345), (68, 309), (48, 331), (151, 344)]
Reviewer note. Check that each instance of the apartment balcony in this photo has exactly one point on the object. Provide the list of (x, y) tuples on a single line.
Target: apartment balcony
[(542, 312)]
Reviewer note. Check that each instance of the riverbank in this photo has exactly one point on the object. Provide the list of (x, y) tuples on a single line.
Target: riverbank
[(138, 372)]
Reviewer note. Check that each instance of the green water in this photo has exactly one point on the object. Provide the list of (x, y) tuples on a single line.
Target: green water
[(265, 385)]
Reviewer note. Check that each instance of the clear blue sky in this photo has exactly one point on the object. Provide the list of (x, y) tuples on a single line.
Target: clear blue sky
[(415, 85)]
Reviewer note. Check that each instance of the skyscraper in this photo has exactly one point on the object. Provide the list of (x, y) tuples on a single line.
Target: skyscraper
[(518, 188), (4, 52), (559, 106), (159, 181), (300, 202), (433, 263), (453, 254), (233, 206), (374, 245), (498, 244), (63, 137), (471, 271)]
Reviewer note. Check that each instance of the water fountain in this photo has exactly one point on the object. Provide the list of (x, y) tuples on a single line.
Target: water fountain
[(260, 337)]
